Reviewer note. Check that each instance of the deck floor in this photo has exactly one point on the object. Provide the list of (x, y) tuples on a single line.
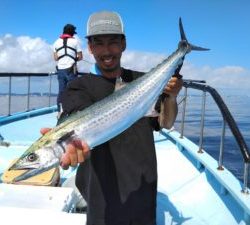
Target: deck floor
[(188, 196)]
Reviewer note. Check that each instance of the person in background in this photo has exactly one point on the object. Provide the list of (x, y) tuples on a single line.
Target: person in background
[(118, 179), (67, 51)]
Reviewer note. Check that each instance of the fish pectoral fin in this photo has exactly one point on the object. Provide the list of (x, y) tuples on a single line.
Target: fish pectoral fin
[(65, 136)]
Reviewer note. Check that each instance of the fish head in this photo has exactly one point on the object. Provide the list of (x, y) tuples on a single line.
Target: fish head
[(35, 162)]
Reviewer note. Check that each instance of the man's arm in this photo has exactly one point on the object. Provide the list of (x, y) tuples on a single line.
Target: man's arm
[(55, 56), (79, 56), (169, 108)]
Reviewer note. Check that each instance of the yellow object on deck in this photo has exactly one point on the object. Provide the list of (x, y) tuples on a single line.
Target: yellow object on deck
[(48, 178)]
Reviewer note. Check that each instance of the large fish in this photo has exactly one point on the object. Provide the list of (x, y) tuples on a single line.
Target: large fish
[(104, 119)]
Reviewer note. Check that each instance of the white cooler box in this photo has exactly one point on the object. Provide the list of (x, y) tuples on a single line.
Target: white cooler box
[(38, 197), (29, 205)]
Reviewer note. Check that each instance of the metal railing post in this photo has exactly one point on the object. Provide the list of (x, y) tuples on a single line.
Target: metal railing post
[(50, 86), (28, 95), (222, 141), (9, 101), (202, 121), (246, 171), (183, 112)]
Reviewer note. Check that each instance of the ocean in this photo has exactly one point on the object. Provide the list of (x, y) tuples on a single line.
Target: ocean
[(238, 104)]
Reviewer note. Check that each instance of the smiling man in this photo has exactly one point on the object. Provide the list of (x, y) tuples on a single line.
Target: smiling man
[(118, 179)]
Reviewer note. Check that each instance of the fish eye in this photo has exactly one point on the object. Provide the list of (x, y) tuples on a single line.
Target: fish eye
[(32, 157)]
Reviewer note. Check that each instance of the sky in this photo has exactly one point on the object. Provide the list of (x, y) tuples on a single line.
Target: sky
[(29, 28)]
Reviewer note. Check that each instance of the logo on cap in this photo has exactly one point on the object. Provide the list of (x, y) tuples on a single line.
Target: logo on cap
[(104, 23)]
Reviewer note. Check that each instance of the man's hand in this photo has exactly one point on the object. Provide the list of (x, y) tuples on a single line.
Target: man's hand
[(76, 152), (174, 85), (169, 108)]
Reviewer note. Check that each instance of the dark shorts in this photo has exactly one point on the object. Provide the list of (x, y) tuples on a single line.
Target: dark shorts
[(146, 219), (138, 222), (133, 222)]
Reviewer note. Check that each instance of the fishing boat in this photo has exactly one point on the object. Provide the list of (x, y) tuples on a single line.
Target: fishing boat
[(193, 187)]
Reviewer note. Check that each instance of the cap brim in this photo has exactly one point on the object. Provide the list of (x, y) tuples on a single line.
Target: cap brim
[(93, 35)]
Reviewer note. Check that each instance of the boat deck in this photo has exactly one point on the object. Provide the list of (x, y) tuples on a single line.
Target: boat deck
[(187, 193), (188, 196)]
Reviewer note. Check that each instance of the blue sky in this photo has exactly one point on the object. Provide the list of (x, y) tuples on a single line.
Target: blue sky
[(152, 33)]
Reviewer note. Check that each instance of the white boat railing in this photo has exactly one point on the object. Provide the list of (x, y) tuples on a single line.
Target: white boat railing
[(51, 88), (194, 84), (12, 76), (227, 120)]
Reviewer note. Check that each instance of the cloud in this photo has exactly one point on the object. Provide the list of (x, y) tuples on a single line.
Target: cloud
[(141, 61), (223, 77), (26, 54)]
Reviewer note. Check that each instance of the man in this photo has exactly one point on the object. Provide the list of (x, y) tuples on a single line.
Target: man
[(67, 52), (118, 179)]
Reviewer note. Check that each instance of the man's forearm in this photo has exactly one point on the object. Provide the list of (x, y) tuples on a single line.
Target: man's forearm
[(168, 112), (79, 56)]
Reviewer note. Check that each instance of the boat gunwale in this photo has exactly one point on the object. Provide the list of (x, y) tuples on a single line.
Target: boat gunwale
[(224, 177)]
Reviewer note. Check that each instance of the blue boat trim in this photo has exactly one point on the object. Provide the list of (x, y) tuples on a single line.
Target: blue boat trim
[(24, 115)]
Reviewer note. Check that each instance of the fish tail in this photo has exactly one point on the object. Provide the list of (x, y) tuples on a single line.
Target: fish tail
[(185, 41)]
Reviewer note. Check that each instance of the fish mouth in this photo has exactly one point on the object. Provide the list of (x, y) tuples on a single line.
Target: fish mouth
[(23, 167), (33, 172), (27, 174)]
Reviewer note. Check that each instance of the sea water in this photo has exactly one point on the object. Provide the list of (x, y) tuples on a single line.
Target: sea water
[(239, 106)]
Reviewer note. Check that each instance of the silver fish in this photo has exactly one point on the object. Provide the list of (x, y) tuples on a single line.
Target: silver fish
[(104, 119)]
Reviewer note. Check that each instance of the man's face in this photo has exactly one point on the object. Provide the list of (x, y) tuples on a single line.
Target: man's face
[(107, 51)]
